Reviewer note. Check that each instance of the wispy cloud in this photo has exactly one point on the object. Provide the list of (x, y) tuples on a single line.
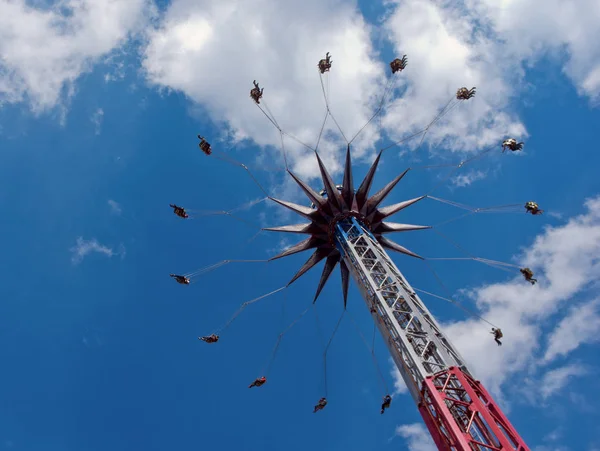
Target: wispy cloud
[(83, 248), (67, 41), (399, 385), (416, 436), (566, 261), (115, 207), (281, 246), (117, 72), (580, 326), (554, 380), (96, 119), (467, 179)]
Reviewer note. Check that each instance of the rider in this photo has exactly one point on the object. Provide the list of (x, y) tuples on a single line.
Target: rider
[(204, 145), (256, 93), (179, 211), (497, 333), (258, 382), (464, 93), (180, 279), (511, 144), (398, 64), (533, 208), (528, 274), (325, 64), (320, 405), (387, 400), (212, 338)]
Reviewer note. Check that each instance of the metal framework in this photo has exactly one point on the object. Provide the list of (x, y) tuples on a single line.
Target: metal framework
[(459, 413), (348, 227)]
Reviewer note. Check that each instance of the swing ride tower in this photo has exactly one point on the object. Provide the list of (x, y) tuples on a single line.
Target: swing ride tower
[(347, 227), (458, 411)]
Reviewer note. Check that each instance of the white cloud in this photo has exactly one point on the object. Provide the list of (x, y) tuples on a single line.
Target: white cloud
[(554, 380), (527, 34), (399, 384), (282, 245), (447, 50), (44, 50), (279, 45), (416, 436), (115, 207), (566, 259), (97, 120), (480, 43), (580, 326), (467, 179), (83, 248), (449, 45)]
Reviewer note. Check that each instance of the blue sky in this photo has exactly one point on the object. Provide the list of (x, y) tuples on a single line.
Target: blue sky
[(98, 125)]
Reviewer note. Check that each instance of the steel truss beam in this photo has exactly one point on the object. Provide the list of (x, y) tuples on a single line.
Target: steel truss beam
[(462, 415), (458, 411)]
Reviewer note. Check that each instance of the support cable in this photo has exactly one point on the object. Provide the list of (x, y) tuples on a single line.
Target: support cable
[(435, 166), (322, 128), (403, 140), (458, 304), (496, 208), (271, 114), (283, 150), (319, 329), (456, 218), (267, 369), (470, 312), (327, 349), (230, 160), (321, 338), (273, 121), (379, 108), (372, 352), (492, 263), (246, 304), (460, 165), (424, 130), (214, 266), (325, 97), (289, 135), (195, 214), (329, 109), (338, 126)]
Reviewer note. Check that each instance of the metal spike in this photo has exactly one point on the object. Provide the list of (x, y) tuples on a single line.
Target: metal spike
[(333, 195), (296, 228), (377, 198), (392, 209), (332, 260), (365, 186), (303, 245), (396, 247), (388, 227), (348, 182), (345, 279), (310, 193), (307, 212), (315, 258)]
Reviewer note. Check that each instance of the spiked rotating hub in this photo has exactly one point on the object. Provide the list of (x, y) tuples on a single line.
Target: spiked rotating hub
[(336, 207)]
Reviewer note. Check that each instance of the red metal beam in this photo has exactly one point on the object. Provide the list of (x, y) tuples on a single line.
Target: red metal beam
[(451, 396)]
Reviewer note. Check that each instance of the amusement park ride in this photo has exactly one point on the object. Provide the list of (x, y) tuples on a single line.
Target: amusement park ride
[(348, 227)]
